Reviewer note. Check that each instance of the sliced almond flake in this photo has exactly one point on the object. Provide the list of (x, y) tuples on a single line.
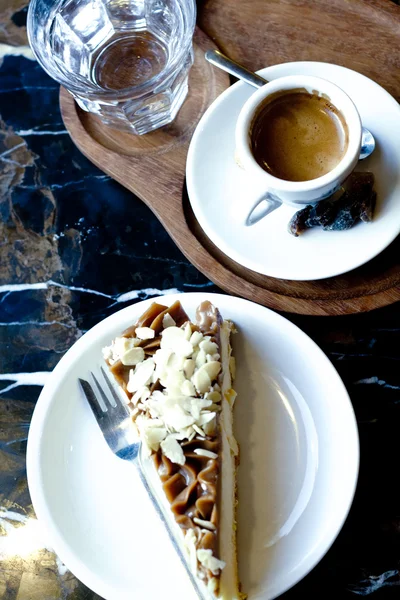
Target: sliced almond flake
[(161, 356), (208, 347), (192, 436), (145, 333), (210, 427), (138, 394), (206, 558), (173, 338), (201, 381), (154, 423), (107, 352), (206, 417), (175, 362), (206, 453), (145, 394), (188, 367), (185, 433), (187, 328), (177, 418), (212, 368), (168, 321), (201, 359), (198, 430), (133, 356), (154, 436), (174, 382), (158, 396), (192, 406), (213, 396), (141, 375), (196, 338), (187, 388), (172, 450), (204, 524), (123, 344), (201, 404)]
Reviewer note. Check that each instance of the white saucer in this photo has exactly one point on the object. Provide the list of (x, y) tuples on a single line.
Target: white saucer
[(298, 464), (218, 187)]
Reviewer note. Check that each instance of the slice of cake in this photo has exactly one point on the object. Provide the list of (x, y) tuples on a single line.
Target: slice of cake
[(177, 379)]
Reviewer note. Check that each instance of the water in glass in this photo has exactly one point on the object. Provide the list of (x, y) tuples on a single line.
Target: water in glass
[(125, 60)]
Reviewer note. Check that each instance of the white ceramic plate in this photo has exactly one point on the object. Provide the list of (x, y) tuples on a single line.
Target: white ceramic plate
[(218, 188), (298, 471)]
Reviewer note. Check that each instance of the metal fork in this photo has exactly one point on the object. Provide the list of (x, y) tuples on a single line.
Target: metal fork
[(110, 413)]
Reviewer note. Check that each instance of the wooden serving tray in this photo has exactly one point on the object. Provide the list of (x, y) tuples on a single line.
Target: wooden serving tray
[(360, 34)]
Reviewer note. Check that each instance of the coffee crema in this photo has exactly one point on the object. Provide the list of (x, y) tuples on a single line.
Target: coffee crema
[(298, 136)]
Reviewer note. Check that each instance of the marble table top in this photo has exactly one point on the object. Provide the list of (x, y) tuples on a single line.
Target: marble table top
[(74, 247)]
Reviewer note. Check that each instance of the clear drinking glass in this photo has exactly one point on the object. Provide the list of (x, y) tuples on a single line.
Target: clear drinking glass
[(124, 60)]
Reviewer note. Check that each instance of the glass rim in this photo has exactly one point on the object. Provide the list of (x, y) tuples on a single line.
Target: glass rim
[(87, 89)]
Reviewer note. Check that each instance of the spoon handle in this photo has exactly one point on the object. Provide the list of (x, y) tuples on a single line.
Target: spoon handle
[(215, 57)]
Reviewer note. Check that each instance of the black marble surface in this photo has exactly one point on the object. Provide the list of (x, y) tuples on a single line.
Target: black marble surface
[(72, 244)]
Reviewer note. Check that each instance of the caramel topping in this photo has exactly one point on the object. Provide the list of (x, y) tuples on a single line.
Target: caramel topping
[(191, 488)]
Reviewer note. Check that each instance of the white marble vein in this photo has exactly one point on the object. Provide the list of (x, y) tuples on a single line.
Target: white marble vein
[(9, 150), (146, 292), (37, 378), (60, 186), (36, 323), (125, 297), (375, 381), (26, 132), (375, 582)]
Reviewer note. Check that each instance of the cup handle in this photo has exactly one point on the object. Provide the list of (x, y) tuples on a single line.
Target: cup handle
[(261, 208)]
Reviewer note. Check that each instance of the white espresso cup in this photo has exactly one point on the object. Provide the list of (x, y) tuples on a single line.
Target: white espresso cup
[(275, 191)]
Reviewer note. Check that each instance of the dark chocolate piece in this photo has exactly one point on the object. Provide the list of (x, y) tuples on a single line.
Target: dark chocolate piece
[(357, 202)]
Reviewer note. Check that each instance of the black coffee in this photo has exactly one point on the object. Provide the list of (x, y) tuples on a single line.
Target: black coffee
[(298, 136)]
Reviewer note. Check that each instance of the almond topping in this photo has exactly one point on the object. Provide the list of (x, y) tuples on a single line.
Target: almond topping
[(201, 381), (174, 339), (187, 388), (168, 321), (141, 375), (208, 347), (206, 558), (132, 356), (145, 333), (173, 451), (204, 524), (188, 367), (196, 338), (206, 453)]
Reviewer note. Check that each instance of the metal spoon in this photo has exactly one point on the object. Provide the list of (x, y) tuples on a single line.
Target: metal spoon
[(215, 57)]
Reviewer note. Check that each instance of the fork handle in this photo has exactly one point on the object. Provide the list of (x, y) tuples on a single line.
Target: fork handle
[(160, 513)]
